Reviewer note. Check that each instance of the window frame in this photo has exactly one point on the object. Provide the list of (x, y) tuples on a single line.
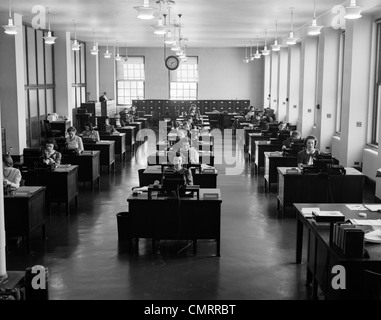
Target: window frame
[(340, 83), (183, 97), (377, 88)]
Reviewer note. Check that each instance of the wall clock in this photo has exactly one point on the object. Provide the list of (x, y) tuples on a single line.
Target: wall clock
[(172, 62)]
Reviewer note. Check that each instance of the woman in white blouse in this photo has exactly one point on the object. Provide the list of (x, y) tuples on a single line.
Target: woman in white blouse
[(11, 176), (73, 142)]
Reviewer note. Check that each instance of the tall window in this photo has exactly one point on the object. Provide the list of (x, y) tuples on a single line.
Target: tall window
[(316, 81), (39, 83), (78, 65), (184, 81), (377, 89), (129, 80), (339, 101)]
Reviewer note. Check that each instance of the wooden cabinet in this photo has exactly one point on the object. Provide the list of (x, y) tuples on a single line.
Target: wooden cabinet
[(108, 108)]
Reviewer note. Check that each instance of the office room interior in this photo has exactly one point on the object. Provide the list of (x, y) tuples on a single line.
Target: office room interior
[(315, 65)]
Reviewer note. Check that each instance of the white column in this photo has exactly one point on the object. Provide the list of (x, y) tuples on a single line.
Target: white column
[(12, 85), (63, 74), (356, 88), (3, 265), (327, 87), (282, 84), (92, 73), (293, 84), (308, 61), (107, 81), (266, 80), (274, 82)]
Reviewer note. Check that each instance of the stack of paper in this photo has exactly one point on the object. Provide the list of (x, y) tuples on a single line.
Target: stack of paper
[(373, 207)]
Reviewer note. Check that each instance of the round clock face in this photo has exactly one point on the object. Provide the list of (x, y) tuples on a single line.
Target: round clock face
[(172, 63)]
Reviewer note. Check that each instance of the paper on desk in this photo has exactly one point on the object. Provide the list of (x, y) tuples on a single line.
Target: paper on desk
[(355, 207), (376, 222), (307, 212), (373, 207)]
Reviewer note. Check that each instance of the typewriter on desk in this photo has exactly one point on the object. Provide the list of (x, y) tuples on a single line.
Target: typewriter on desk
[(324, 164)]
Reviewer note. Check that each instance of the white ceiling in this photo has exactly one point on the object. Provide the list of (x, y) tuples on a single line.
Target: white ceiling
[(206, 23)]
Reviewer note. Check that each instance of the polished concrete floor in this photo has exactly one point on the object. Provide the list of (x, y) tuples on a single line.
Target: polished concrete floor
[(86, 261)]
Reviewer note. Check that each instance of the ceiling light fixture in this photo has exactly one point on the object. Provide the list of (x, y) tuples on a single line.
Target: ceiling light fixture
[(257, 55), (314, 29), (126, 57), (246, 59), (145, 12), (49, 39), (160, 27), (265, 52), (353, 11), (168, 39), (107, 54), (117, 57), (10, 28), (94, 50), (276, 46), (291, 40), (75, 46)]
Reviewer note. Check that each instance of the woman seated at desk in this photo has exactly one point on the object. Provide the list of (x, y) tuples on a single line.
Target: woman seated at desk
[(189, 153), (90, 133), (49, 154), (306, 156), (73, 142), (179, 168), (250, 115), (287, 144), (11, 176)]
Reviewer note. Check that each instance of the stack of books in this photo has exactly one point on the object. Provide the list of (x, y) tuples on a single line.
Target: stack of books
[(349, 239), (327, 216)]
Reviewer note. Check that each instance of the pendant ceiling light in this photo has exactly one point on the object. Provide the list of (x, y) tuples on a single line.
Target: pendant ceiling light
[(107, 54), (145, 12), (246, 59), (251, 51), (257, 55), (168, 38), (117, 57), (177, 45), (160, 27), (276, 46), (94, 50), (10, 28), (75, 46), (291, 40), (314, 29), (265, 52), (49, 39), (353, 11)]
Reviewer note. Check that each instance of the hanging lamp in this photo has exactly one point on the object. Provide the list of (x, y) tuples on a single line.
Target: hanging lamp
[(145, 12), (49, 39), (160, 27), (246, 59), (75, 46), (265, 51), (291, 40), (353, 11), (10, 28), (168, 38), (314, 29), (276, 46), (117, 57), (94, 50), (107, 54), (257, 55)]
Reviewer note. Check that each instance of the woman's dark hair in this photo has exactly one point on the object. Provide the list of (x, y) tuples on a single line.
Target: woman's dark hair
[(71, 129), (51, 141), (90, 125), (7, 159)]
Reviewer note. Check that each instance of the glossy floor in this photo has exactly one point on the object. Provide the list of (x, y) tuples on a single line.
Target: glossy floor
[(85, 260)]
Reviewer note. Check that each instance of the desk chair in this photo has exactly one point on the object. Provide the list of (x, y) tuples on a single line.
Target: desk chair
[(372, 285)]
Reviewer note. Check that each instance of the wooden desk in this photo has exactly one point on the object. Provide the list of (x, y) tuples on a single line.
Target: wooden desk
[(319, 188), (107, 149), (25, 213), (247, 131), (120, 143), (61, 184), (89, 166), (323, 256), (260, 148), (138, 126), (273, 160), (167, 218), (253, 138), (160, 157), (204, 180), (62, 126), (130, 136)]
